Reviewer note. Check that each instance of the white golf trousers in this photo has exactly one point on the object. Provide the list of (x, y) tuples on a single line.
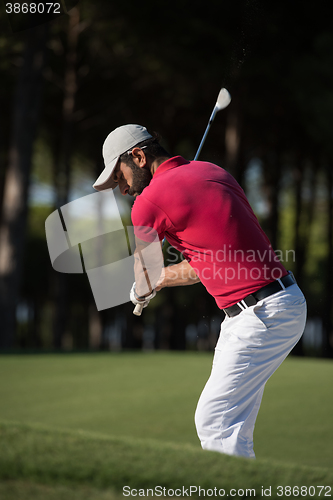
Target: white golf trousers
[(250, 348)]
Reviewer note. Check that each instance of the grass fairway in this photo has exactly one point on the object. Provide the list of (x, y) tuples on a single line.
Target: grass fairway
[(87, 464), (66, 416), (29, 490)]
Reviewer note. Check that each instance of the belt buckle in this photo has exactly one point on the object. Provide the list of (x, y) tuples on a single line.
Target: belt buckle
[(231, 315), (250, 300), (293, 277)]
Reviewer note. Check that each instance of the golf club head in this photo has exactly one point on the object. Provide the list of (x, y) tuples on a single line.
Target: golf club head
[(223, 99)]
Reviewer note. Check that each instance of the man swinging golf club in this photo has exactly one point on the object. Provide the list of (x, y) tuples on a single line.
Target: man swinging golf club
[(203, 213)]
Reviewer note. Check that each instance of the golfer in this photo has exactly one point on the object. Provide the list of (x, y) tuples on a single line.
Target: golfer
[(203, 212)]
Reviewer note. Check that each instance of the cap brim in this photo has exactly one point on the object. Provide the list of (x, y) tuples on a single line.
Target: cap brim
[(105, 181)]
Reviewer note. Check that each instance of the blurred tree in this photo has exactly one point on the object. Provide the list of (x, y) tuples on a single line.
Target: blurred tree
[(35, 281), (287, 109), (328, 285), (163, 68), (9, 53), (62, 165), (14, 209)]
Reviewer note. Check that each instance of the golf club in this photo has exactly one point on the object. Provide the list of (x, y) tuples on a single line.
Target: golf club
[(223, 100)]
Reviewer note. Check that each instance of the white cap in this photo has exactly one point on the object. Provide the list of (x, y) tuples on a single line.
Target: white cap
[(118, 142)]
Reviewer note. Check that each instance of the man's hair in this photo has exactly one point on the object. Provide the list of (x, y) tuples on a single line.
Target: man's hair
[(152, 150)]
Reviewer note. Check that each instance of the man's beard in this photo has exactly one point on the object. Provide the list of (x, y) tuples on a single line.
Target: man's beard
[(141, 179)]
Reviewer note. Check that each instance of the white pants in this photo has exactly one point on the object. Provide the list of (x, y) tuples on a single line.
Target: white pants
[(250, 348)]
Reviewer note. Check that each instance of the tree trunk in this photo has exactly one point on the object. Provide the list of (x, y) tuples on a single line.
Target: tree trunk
[(299, 246), (298, 241), (62, 169), (15, 196), (302, 231), (3, 158), (272, 178), (328, 323)]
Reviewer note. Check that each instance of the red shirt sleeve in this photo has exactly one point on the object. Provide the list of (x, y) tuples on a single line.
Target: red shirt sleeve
[(148, 220)]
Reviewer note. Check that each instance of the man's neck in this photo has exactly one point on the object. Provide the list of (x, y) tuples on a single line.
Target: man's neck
[(156, 163)]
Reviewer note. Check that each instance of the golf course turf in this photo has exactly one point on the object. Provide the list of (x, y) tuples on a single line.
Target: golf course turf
[(86, 425)]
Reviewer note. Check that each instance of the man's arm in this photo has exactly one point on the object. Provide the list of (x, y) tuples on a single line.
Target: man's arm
[(181, 274), (148, 264), (178, 275)]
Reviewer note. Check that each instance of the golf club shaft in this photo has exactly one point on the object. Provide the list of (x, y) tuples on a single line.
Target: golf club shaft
[(211, 119)]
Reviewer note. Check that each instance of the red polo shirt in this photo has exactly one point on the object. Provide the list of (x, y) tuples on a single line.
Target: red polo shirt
[(203, 212)]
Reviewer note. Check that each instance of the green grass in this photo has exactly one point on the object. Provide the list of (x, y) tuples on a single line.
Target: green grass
[(72, 459), (139, 395), (295, 420), (28, 490), (78, 426)]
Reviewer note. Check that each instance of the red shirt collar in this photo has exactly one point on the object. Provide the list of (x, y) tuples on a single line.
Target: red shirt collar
[(175, 161)]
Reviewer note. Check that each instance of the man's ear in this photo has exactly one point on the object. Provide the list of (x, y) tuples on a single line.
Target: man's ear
[(139, 157)]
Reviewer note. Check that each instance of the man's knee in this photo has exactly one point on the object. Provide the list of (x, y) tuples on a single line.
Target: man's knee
[(206, 425), (200, 420)]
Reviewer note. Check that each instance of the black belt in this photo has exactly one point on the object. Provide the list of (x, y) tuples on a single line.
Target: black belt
[(260, 294)]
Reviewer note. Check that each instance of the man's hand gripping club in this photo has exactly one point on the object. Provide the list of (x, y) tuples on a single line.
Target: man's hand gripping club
[(142, 302), (181, 274)]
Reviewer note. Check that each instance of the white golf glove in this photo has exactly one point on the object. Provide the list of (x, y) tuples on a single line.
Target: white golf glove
[(135, 298)]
